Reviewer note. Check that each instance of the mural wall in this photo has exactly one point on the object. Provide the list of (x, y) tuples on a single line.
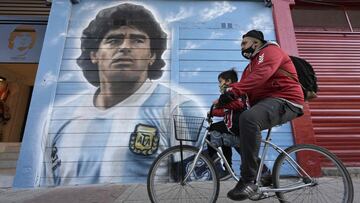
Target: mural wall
[(127, 67)]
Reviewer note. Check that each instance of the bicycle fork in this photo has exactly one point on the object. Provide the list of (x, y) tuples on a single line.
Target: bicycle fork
[(187, 175)]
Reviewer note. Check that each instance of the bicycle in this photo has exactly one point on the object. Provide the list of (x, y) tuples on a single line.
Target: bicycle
[(186, 173)]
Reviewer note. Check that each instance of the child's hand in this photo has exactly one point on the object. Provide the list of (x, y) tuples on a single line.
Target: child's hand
[(216, 101), (226, 98)]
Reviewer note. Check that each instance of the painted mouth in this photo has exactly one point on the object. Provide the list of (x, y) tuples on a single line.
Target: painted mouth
[(123, 61)]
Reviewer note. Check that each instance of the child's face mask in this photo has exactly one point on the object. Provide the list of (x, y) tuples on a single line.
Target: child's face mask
[(223, 85)]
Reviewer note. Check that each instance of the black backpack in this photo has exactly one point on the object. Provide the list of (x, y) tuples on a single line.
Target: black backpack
[(306, 75)]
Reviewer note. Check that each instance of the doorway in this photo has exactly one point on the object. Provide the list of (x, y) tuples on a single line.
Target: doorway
[(20, 79)]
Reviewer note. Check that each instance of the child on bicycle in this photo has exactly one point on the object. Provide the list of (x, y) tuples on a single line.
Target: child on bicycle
[(222, 132), (225, 132)]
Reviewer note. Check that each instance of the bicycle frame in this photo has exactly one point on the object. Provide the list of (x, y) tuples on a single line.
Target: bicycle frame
[(267, 142), (203, 141)]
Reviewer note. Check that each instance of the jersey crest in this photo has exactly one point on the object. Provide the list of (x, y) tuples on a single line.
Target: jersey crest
[(144, 140)]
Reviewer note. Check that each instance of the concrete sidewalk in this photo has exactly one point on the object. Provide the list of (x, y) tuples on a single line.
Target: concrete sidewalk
[(108, 193)]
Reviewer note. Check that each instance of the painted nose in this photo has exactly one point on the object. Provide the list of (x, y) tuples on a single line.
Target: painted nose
[(125, 46)]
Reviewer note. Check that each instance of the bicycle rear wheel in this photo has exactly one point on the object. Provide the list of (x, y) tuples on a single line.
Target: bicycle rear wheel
[(164, 183), (329, 181)]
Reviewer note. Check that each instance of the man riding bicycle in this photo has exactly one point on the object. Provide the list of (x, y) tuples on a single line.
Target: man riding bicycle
[(274, 99)]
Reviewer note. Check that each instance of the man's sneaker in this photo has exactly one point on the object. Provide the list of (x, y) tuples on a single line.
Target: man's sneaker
[(242, 191)]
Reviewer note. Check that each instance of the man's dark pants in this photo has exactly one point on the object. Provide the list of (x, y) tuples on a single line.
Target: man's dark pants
[(263, 115)]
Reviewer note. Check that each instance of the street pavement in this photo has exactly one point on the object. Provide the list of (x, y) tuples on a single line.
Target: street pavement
[(109, 193)]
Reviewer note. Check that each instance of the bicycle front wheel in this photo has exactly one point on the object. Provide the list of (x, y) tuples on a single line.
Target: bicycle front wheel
[(165, 180), (327, 178)]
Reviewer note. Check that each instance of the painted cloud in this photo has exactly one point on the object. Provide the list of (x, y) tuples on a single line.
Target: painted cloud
[(217, 9)]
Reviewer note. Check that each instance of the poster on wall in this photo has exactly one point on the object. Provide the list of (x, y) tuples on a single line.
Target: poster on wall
[(21, 43), (127, 67)]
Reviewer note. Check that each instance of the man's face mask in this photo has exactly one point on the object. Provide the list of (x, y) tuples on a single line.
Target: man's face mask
[(247, 53)]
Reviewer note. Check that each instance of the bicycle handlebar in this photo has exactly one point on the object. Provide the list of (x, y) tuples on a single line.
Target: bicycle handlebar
[(209, 116)]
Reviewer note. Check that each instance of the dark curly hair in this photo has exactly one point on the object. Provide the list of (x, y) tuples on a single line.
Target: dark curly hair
[(114, 17)]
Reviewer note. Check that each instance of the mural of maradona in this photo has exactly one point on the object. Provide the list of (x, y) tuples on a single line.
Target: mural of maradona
[(119, 129)]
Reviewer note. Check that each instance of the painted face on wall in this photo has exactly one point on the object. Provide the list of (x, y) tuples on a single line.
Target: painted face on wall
[(22, 41), (124, 54)]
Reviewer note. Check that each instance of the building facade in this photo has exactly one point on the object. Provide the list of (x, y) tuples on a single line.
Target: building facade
[(74, 136)]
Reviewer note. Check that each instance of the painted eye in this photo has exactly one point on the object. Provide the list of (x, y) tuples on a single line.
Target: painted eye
[(114, 41), (138, 41)]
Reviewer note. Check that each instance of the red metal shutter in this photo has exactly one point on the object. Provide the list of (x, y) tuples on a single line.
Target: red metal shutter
[(336, 112)]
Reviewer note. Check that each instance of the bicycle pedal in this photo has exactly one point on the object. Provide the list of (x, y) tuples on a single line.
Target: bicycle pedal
[(259, 196), (265, 195)]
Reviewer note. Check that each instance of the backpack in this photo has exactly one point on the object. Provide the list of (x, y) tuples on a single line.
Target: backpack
[(306, 76)]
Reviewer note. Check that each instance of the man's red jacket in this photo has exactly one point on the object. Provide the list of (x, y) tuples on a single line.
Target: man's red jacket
[(261, 78)]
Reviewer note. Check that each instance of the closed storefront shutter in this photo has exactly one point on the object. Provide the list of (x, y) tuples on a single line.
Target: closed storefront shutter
[(336, 112), (24, 7)]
